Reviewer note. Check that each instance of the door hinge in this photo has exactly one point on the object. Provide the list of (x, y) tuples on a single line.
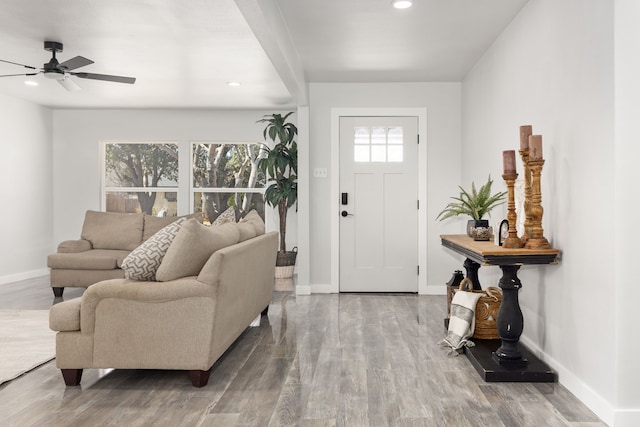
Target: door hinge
[(418, 201), (418, 268), (418, 138)]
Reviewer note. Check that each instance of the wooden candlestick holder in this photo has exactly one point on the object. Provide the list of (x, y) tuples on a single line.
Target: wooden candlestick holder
[(524, 155), (536, 239), (511, 242)]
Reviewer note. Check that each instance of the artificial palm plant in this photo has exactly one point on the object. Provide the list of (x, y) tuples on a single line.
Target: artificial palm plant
[(476, 203), (281, 165)]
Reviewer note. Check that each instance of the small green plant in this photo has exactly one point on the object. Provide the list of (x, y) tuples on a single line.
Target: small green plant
[(476, 204), (281, 165)]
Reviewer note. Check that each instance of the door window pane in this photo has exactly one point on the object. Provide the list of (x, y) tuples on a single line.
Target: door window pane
[(361, 153), (395, 153), (395, 136), (378, 153), (378, 135), (378, 144)]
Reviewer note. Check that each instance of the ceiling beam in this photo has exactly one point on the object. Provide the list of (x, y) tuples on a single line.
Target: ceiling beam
[(267, 23)]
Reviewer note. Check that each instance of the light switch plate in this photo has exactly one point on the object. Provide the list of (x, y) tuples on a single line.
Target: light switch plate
[(320, 173)]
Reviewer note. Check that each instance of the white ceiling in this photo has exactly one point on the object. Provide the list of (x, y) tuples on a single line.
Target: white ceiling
[(183, 53)]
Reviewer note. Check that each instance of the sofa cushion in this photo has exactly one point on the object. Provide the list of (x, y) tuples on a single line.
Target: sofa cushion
[(254, 218), (153, 224), (95, 259), (73, 246), (111, 230), (65, 316), (192, 247), (143, 262), (229, 215), (247, 231)]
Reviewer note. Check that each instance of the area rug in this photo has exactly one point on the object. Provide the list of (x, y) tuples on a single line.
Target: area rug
[(26, 342)]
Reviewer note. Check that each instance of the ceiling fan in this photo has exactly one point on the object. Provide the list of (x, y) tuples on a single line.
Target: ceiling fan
[(61, 71)]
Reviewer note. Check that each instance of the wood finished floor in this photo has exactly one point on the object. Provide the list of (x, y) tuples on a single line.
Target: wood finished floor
[(320, 360)]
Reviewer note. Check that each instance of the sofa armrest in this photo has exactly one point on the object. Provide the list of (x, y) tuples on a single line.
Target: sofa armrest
[(74, 246), (243, 278), (144, 292)]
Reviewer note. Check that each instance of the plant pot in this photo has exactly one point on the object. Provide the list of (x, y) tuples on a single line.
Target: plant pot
[(481, 231), (470, 224), (288, 258), (285, 263)]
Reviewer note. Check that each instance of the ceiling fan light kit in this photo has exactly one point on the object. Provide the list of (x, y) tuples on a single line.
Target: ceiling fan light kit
[(63, 71), (402, 4)]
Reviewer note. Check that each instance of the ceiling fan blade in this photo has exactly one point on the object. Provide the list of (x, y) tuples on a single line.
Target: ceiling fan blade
[(69, 84), (16, 75), (73, 63), (106, 77), (20, 65)]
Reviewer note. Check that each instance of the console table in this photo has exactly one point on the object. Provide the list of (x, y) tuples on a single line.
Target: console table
[(506, 360)]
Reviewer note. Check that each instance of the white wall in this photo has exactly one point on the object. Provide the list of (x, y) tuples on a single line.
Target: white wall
[(76, 142), (25, 177), (553, 68), (627, 177), (442, 101)]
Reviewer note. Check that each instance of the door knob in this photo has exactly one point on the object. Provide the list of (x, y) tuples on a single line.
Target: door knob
[(345, 213)]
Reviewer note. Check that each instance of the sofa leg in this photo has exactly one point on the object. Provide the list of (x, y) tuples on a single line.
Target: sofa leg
[(199, 378), (265, 311), (57, 292), (71, 377)]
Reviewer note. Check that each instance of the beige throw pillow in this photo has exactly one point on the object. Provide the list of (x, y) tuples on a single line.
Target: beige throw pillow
[(247, 231), (254, 218), (192, 247)]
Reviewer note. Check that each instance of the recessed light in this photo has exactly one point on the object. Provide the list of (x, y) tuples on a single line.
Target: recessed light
[(31, 83), (402, 4), (233, 83)]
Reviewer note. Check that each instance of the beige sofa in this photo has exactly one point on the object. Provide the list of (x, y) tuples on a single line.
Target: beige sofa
[(106, 239), (182, 323)]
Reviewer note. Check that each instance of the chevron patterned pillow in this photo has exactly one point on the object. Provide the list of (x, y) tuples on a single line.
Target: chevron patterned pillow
[(229, 215), (143, 262)]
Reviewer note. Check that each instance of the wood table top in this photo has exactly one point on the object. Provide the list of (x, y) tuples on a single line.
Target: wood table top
[(487, 253)]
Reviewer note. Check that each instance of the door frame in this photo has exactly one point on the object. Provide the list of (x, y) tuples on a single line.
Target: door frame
[(421, 114)]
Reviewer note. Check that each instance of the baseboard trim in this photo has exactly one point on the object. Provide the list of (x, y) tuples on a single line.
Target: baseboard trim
[(435, 290), (627, 418), (26, 275), (596, 403), (303, 290), (321, 289)]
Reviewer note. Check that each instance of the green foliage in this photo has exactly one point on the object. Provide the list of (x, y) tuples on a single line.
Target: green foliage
[(280, 163), (476, 204)]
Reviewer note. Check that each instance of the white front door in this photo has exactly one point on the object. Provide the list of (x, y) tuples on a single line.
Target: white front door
[(378, 204)]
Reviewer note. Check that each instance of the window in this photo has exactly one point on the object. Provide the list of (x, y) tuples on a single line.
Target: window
[(141, 177), (224, 175), (378, 144)]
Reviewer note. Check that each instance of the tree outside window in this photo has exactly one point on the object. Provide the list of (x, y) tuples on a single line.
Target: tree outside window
[(141, 177), (224, 175)]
